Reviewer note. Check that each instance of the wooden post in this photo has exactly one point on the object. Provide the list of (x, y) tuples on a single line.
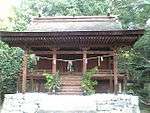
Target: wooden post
[(84, 61), (124, 83), (115, 72), (18, 84), (109, 63), (32, 82), (24, 69), (111, 84), (54, 62)]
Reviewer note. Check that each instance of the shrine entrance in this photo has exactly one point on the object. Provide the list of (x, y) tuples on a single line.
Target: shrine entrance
[(70, 63)]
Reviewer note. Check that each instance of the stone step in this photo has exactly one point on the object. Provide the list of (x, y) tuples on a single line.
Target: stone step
[(71, 87), (75, 77), (70, 78), (71, 83), (70, 93), (72, 74), (71, 90)]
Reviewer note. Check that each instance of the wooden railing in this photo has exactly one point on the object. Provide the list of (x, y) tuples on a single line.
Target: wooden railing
[(104, 71), (40, 72)]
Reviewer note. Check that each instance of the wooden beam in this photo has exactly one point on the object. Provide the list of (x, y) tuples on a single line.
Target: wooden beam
[(72, 33), (60, 45), (24, 70), (72, 52), (115, 72)]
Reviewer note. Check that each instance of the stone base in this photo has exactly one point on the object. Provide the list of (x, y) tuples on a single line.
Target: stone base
[(44, 103)]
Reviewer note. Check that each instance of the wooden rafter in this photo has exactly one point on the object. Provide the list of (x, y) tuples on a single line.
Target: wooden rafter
[(72, 52)]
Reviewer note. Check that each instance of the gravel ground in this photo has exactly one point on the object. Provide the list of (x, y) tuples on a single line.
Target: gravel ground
[(143, 110)]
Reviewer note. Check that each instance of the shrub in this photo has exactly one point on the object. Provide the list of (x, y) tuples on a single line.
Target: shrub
[(87, 83)]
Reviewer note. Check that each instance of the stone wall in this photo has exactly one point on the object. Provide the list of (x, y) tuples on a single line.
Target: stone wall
[(44, 103)]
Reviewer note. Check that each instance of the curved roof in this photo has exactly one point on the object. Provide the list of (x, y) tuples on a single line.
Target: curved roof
[(76, 32), (70, 23)]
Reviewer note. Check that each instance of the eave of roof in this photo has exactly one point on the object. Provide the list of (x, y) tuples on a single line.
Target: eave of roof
[(71, 39), (71, 33)]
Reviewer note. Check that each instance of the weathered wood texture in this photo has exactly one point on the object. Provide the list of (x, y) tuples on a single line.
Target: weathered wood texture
[(115, 72), (24, 70), (72, 39)]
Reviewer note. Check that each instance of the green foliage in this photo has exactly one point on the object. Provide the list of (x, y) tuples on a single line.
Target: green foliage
[(52, 81), (10, 67), (10, 64), (87, 83), (29, 8), (143, 45), (137, 67), (132, 13), (129, 61)]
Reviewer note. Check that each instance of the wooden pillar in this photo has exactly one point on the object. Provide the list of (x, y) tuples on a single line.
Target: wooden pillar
[(54, 62), (18, 84), (111, 84), (109, 63), (84, 61), (39, 85), (124, 83), (115, 72), (24, 70), (32, 82)]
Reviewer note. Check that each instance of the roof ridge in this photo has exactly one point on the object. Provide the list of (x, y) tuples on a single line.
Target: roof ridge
[(76, 23)]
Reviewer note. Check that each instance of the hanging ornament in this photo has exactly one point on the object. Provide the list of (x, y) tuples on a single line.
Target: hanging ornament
[(99, 62), (86, 61), (69, 67), (54, 61), (102, 58)]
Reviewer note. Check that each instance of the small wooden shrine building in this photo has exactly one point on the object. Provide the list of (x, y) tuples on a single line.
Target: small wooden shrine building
[(73, 45)]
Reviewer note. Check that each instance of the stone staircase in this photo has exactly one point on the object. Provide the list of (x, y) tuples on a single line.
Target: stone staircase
[(71, 84)]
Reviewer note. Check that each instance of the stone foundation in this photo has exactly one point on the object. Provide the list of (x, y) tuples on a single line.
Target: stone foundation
[(44, 103)]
